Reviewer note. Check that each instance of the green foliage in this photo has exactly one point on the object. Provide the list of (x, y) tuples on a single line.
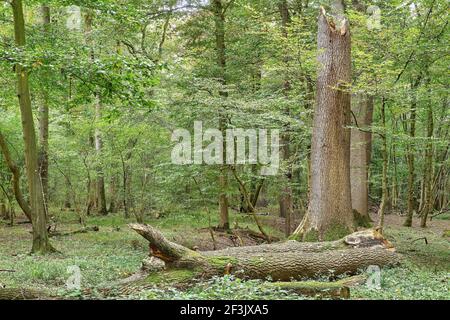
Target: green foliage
[(408, 283), (223, 288), (152, 67), (159, 73), (109, 255)]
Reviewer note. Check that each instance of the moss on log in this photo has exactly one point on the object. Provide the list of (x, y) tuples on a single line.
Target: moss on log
[(337, 289), (22, 294)]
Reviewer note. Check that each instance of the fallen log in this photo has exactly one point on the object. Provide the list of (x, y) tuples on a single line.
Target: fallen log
[(337, 289), (312, 289), (280, 261), (22, 294), (83, 230)]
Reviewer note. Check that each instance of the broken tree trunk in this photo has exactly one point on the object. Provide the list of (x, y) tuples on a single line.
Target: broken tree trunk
[(329, 214), (279, 261)]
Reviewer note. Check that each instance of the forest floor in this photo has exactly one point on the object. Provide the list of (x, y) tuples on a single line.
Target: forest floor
[(115, 252)]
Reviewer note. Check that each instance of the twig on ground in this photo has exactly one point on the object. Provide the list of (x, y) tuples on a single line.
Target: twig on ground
[(423, 238)]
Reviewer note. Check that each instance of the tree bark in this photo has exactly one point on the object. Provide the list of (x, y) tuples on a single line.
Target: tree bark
[(281, 261), (98, 143), (4, 212), (338, 289), (126, 177), (256, 185), (89, 199), (360, 155), (395, 190), (22, 294), (429, 172), (330, 214), (113, 194), (101, 195), (219, 23), (286, 198), (384, 178), (15, 181), (41, 243), (43, 125), (410, 157)]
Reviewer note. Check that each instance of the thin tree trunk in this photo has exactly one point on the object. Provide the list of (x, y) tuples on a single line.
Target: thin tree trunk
[(330, 214), (384, 151), (89, 199), (98, 143), (8, 213), (422, 194), (254, 192), (428, 176), (410, 157), (286, 199), (101, 195), (41, 243), (361, 144), (219, 22), (126, 176), (4, 212), (68, 196), (15, 181), (113, 194), (124, 188), (395, 187), (43, 125)]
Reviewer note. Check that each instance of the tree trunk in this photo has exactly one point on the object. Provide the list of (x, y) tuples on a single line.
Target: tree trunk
[(41, 243), (410, 157), (15, 181), (43, 125), (98, 143), (89, 199), (384, 178), (395, 187), (125, 188), (113, 194), (68, 192), (286, 199), (254, 191), (219, 23), (330, 214), (126, 177), (101, 195), (428, 176), (4, 213), (360, 158), (280, 261)]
